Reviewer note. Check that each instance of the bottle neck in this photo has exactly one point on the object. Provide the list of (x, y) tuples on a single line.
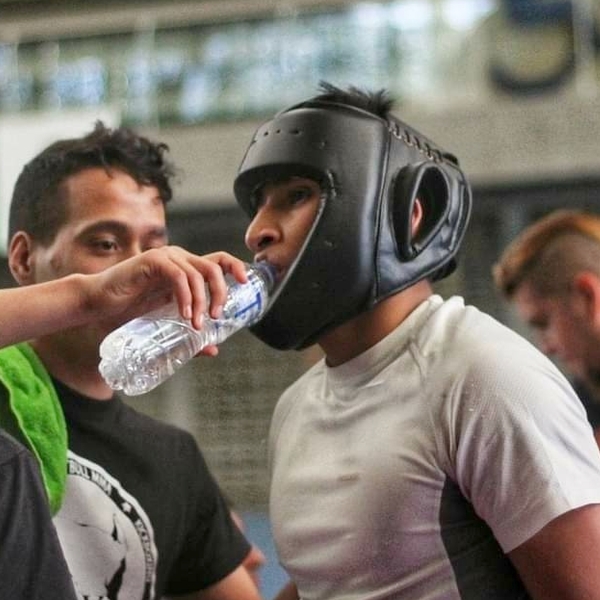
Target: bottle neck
[(267, 272)]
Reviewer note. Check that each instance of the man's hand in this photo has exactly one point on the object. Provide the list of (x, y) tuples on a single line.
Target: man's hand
[(126, 290), (156, 277)]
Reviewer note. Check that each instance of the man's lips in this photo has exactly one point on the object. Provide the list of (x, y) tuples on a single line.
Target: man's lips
[(279, 270)]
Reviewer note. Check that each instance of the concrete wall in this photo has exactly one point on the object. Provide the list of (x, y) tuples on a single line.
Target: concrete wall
[(504, 142)]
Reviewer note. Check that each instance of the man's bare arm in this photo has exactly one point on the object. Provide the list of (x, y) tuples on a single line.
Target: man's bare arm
[(123, 291), (560, 562)]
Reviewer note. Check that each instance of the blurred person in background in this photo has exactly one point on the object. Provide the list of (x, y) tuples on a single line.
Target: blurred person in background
[(551, 274)]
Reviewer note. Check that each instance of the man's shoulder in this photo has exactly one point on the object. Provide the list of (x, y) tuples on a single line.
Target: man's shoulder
[(11, 449), (452, 321), (460, 340), (134, 417)]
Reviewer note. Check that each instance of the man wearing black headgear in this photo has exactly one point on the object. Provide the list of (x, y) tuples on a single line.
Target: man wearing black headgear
[(433, 453)]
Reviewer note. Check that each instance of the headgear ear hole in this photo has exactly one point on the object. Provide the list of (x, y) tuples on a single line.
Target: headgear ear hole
[(426, 183)]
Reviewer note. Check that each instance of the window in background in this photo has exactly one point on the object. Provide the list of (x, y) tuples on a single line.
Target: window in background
[(419, 49)]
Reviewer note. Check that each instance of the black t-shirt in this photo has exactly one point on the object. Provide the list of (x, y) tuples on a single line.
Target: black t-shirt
[(32, 566), (590, 403), (142, 516)]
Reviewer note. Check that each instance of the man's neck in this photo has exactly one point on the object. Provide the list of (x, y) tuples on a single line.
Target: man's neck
[(368, 328), (73, 367)]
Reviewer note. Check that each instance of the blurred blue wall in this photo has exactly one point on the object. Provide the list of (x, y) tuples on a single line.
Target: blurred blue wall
[(258, 531)]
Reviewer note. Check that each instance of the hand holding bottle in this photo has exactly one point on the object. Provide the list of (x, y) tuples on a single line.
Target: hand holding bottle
[(144, 352), (153, 278), (113, 296)]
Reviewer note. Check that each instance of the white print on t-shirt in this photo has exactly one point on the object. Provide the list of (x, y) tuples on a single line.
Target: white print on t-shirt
[(106, 536)]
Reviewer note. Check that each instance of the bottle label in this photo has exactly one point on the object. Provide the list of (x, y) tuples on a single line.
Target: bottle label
[(250, 305)]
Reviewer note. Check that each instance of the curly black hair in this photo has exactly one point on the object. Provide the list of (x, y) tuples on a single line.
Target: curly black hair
[(38, 206)]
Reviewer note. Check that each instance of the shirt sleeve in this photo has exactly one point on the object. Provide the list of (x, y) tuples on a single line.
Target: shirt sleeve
[(524, 449), (213, 546), (31, 552)]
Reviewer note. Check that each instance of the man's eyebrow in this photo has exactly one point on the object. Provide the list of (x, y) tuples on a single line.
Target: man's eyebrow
[(117, 227)]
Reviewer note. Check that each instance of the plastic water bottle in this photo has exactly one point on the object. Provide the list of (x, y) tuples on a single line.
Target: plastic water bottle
[(146, 351)]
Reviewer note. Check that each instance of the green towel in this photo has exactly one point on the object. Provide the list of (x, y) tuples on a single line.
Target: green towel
[(35, 413)]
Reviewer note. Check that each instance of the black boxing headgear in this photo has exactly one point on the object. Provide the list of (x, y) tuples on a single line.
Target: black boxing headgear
[(360, 249)]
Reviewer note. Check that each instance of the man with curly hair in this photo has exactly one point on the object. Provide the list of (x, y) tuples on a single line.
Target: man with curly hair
[(138, 513)]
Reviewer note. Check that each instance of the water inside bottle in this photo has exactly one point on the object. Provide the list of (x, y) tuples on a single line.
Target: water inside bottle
[(145, 353)]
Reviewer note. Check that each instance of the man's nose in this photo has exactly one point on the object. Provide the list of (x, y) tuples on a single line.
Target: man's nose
[(133, 249), (262, 231)]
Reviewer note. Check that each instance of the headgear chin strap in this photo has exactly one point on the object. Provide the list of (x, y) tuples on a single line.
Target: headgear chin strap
[(360, 249)]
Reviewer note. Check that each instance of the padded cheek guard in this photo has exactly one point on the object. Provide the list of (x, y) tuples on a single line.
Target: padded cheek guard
[(360, 248)]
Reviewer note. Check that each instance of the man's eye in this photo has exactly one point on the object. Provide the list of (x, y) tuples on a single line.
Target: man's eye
[(539, 325), (105, 245), (300, 194)]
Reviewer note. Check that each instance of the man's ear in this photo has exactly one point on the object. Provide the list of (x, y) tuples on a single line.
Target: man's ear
[(416, 218), (586, 285), (20, 258)]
